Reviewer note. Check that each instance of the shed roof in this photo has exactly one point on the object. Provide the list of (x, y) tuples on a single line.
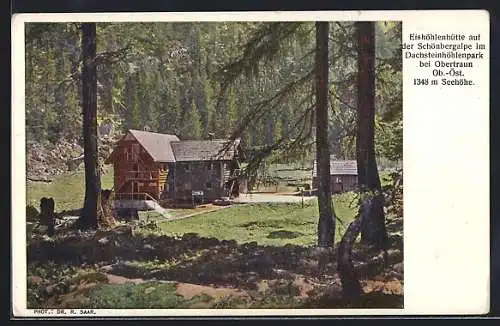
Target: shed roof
[(348, 167), (203, 150)]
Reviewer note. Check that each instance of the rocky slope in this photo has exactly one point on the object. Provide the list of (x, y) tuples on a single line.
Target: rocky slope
[(45, 160)]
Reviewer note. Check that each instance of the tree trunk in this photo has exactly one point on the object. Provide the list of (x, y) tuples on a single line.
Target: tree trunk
[(92, 210), (107, 199), (47, 217), (326, 223), (60, 92), (373, 231), (351, 288)]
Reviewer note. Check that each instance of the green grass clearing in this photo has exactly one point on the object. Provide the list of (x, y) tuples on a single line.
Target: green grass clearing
[(267, 224), (68, 190), (150, 295)]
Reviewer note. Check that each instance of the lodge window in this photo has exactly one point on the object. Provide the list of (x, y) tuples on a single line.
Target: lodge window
[(136, 170), (135, 151), (187, 167), (210, 166), (208, 185)]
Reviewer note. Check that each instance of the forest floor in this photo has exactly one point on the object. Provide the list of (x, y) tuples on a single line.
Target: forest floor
[(131, 267), (256, 255)]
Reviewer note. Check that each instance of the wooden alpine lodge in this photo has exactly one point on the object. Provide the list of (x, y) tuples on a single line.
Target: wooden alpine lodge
[(163, 168)]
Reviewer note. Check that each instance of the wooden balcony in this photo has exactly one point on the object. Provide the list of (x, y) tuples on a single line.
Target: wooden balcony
[(142, 175), (135, 196)]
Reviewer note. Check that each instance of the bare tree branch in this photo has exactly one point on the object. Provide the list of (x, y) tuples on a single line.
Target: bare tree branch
[(338, 98)]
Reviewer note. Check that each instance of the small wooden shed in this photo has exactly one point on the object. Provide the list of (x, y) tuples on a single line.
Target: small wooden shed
[(343, 175)]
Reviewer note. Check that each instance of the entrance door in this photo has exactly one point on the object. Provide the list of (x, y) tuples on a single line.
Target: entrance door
[(135, 152), (136, 169), (133, 188), (136, 189), (338, 185)]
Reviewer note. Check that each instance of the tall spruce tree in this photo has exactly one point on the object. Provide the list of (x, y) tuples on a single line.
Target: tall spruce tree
[(92, 209), (326, 223), (92, 214), (373, 230)]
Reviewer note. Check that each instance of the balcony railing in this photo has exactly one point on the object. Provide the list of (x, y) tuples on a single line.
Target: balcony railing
[(142, 175), (135, 196)]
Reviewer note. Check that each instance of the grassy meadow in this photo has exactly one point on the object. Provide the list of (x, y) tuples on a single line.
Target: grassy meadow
[(68, 190), (267, 224), (274, 224)]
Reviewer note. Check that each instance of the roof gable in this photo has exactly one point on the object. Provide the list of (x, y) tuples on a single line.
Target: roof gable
[(156, 144)]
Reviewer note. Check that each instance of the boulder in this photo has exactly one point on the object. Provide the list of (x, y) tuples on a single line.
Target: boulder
[(34, 280), (399, 267), (222, 202), (126, 214), (31, 213)]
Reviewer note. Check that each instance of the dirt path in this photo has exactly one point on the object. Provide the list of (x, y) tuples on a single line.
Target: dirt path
[(271, 198), (189, 290), (116, 279), (244, 199), (216, 208)]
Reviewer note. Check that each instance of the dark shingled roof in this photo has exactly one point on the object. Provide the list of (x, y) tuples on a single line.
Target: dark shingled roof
[(202, 150), (157, 145), (340, 168)]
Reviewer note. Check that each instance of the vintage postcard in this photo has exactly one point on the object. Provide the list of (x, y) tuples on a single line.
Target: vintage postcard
[(250, 163)]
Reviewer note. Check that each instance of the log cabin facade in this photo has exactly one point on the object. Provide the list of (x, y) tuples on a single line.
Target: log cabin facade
[(343, 176), (201, 168), (157, 166)]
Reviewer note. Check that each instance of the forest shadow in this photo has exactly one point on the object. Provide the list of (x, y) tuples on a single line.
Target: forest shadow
[(395, 226), (32, 213), (190, 258), (194, 259), (284, 234), (373, 300)]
